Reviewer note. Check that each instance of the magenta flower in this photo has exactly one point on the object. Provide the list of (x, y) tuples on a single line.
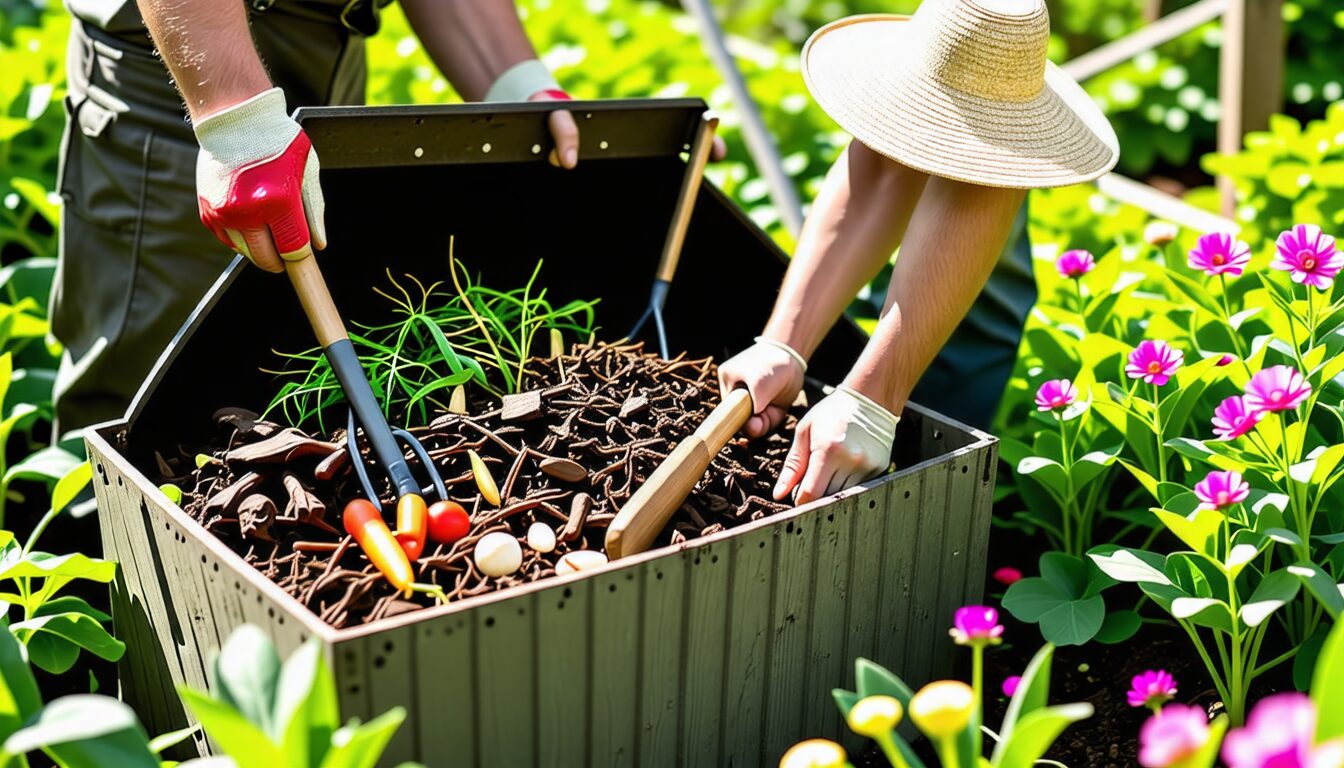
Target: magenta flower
[(1151, 689), (1309, 256), (1007, 575), (1075, 264), (1279, 388), (1278, 734), (1172, 735), (1218, 253), (1234, 418), (1010, 685), (976, 625), (1225, 360), (1154, 361), (1055, 395), (1219, 490)]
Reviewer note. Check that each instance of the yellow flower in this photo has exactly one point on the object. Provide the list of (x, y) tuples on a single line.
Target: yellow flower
[(814, 753), (875, 716), (942, 709)]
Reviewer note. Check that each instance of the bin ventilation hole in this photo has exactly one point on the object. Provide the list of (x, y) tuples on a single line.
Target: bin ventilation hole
[(658, 575), (830, 518), (714, 559), (387, 647), (216, 567), (788, 528), (611, 588), (350, 657), (167, 526), (486, 147), (937, 434), (697, 561), (965, 469), (419, 151), (379, 662), (119, 483), (568, 593), (907, 494), (281, 620), (447, 631), (204, 560), (629, 577), (354, 690), (522, 612), (560, 606), (270, 613), (419, 121), (872, 504), (237, 585), (761, 545), (536, 149), (603, 144), (490, 622)]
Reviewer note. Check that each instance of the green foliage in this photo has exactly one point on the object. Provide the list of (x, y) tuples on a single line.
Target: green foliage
[(439, 340), (1286, 175), (1066, 601)]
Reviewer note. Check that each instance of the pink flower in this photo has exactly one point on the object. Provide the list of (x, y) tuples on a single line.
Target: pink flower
[(1279, 388), (1010, 685), (1007, 576), (1309, 256), (1175, 733), (976, 625), (1278, 734), (1154, 361), (1219, 253), (1075, 264), (1055, 395), (1219, 490), (1152, 688), (1234, 418)]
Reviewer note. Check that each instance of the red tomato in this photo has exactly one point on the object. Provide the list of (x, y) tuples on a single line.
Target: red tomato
[(448, 522)]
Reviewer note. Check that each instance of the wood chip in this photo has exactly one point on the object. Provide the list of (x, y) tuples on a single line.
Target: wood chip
[(255, 516), (304, 506), (563, 469), (523, 406), (281, 448), (333, 466), (634, 406), (578, 515), (457, 403), (226, 502)]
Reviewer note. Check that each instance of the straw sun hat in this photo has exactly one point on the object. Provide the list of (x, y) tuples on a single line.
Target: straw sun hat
[(961, 90)]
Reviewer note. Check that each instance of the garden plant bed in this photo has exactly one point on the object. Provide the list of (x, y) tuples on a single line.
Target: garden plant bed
[(608, 413)]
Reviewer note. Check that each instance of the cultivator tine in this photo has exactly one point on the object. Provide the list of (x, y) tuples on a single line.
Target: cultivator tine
[(352, 445), (423, 455)]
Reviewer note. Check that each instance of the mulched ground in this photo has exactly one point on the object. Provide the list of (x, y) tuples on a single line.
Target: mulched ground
[(607, 414)]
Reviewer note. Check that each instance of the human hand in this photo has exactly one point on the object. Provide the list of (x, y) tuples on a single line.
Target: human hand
[(844, 440), (257, 181), (564, 130), (772, 373)]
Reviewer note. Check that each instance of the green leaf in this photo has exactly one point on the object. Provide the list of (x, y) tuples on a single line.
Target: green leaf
[(873, 679), (1327, 687), (172, 738), (47, 465), (1033, 693), (1118, 626), (78, 629), (306, 708), (246, 674), (1047, 472), (1199, 531), (361, 746), (66, 567), (69, 486), (844, 700), (1273, 592), (86, 730), (1204, 611), (1194, 292), (1132, 566), (239, 738), (1321, 586), (19, 697), (1066, 572), (1036, 731), (1074, 622)]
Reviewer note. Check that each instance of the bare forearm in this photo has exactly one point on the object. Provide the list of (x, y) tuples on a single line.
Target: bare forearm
[(472, 41), (209, 51), (856, 223), (955, 238)]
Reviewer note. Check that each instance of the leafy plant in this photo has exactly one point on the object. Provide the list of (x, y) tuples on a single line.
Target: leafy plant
[(1066, 600), (439, 340)]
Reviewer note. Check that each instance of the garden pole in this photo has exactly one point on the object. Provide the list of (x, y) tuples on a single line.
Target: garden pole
[(760, 144)]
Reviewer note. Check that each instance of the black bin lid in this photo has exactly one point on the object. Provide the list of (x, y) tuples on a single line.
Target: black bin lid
[(400, 181)]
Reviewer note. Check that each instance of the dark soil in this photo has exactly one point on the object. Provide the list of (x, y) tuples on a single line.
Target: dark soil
[(275, 494)]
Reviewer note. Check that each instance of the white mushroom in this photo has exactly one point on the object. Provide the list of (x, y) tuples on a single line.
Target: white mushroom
[(498, 554), (579, 560), (541, 537)]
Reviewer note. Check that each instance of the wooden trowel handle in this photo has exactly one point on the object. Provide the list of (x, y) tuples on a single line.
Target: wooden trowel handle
[(646, 514)]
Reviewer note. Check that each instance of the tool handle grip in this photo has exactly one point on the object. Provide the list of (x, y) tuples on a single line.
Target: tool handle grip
[(690, 188), (306, 276), (646, 514)]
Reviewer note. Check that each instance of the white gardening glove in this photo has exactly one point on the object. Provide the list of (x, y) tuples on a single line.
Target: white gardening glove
[(256, 181), (772, 373), (844, 440)]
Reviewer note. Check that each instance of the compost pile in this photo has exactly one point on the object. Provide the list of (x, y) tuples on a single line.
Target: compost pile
[(568, 454)]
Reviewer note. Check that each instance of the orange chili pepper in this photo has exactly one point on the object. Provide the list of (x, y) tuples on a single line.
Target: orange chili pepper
[(363, 521), (412, 524)]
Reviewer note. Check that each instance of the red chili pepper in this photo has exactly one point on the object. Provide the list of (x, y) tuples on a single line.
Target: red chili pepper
[(448, 522), (412, 521), (363, 521)]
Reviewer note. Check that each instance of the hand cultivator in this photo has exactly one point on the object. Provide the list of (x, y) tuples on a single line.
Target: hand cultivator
[(391, 551), (676, 233)]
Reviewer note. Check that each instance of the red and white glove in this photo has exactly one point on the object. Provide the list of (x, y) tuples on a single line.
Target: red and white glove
[(530, 80), (257, 181)]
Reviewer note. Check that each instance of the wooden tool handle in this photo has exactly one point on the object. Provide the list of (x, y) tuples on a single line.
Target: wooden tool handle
[(690, 188), (316, 299), (645, 515)]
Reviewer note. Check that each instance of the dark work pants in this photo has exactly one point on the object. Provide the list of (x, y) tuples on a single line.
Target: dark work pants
[(135, 258)]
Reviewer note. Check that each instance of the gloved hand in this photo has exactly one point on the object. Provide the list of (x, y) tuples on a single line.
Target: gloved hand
[(772, 373), (256, 181), (844, 440)]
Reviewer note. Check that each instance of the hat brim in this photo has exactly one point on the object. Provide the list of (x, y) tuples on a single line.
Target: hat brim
[(863, 72)]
